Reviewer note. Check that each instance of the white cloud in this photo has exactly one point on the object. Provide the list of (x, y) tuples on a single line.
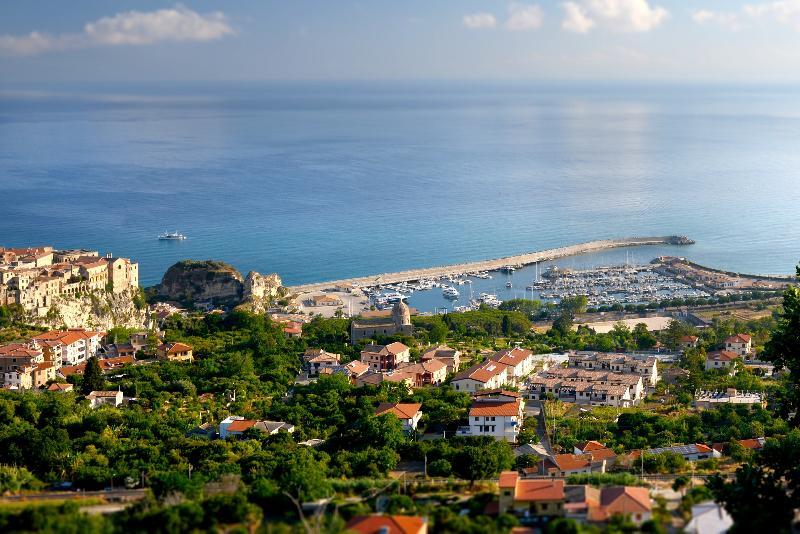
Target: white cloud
[(480, 20), (130, 28), (524, 17), (576, 19), (729, 20), (783, 11), (619, 15)]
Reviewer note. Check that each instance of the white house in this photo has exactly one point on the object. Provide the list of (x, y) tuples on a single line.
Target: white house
[(408, 413), (495, 413), (323, 360), (722, 359), (487, 375), (70, 347), (709, 518), (741, 344), (520, 362), (104, 398), (234, 426)]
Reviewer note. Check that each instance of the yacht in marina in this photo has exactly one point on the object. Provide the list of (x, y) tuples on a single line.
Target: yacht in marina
[(449, 292)]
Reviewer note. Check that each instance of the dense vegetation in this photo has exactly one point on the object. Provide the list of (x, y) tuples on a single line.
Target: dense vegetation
[(246, 366)]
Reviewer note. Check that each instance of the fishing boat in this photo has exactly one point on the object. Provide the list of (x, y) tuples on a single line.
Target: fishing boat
[(172, 236)]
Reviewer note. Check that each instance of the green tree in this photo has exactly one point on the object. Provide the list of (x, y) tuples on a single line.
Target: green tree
[(643, 338), (783, 348), (92, 377)]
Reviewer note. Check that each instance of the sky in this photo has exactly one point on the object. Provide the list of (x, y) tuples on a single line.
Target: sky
[(664, 40)]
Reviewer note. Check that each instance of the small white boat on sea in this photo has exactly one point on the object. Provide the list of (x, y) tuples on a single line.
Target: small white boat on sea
[(171, 236), (450, 292)]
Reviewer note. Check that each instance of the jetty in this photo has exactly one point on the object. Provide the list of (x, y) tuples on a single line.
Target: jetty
[(494, 264)]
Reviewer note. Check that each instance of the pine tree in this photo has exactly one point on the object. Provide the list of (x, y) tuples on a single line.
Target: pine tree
[(92, 377)]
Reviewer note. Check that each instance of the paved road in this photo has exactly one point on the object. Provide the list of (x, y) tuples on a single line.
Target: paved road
[(117, 495)]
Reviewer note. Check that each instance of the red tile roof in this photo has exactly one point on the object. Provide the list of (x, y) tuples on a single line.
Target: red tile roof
[(402, 411), (67, 337), (508, 479), (625, 500), (587, 446), (241, 425), (495, 408), (482, 372), (722, 356), (386, 524), (396, 347), (739, 338), (530, 490), (512, 357)]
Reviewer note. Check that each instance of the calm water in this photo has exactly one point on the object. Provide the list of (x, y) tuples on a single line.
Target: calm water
[(327, 181)]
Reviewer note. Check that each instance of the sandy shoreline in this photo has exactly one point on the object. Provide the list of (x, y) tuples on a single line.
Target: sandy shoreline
[(492, 264)]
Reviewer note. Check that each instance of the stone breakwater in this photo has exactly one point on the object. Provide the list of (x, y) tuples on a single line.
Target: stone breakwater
[(495, 264)]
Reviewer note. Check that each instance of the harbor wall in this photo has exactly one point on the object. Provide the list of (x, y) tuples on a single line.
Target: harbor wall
[(495, 264)]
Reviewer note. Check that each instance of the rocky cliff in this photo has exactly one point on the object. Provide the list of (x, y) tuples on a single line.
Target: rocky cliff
[(260, 290), (195, 281), (192, 281), (98, 310)]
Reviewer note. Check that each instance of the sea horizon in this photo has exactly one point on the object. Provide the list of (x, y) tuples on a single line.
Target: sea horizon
[(328, 180)]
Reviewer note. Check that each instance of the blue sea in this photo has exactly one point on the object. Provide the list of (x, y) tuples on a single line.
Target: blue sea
[(321, 181)]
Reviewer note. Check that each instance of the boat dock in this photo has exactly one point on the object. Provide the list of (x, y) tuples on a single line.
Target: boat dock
[(493, 264)]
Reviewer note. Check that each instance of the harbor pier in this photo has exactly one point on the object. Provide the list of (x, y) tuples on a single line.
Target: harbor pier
[(492, 264)]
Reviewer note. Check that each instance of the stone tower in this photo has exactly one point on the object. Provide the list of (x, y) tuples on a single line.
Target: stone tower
[(401, 315)]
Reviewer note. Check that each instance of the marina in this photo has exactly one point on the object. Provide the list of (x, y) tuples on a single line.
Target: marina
[(603, 286), (615, 272)]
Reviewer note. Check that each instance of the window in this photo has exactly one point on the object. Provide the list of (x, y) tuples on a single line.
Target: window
[(477, 419)]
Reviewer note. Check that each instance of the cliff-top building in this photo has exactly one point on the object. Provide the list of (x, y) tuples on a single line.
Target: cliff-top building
[(34, 277)]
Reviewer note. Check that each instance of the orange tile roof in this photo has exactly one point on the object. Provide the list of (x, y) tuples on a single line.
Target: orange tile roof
[(492, 408), (55, 386), (482, 372), (357, 367), (241, 425), (386, 524), (571, 462), (587, 446), (531, 490), (508, 479), (172, 348), (396, 347), (402, 411), (739, 338), (513, 356), (624, 500), (722, 356), (67, 337)]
